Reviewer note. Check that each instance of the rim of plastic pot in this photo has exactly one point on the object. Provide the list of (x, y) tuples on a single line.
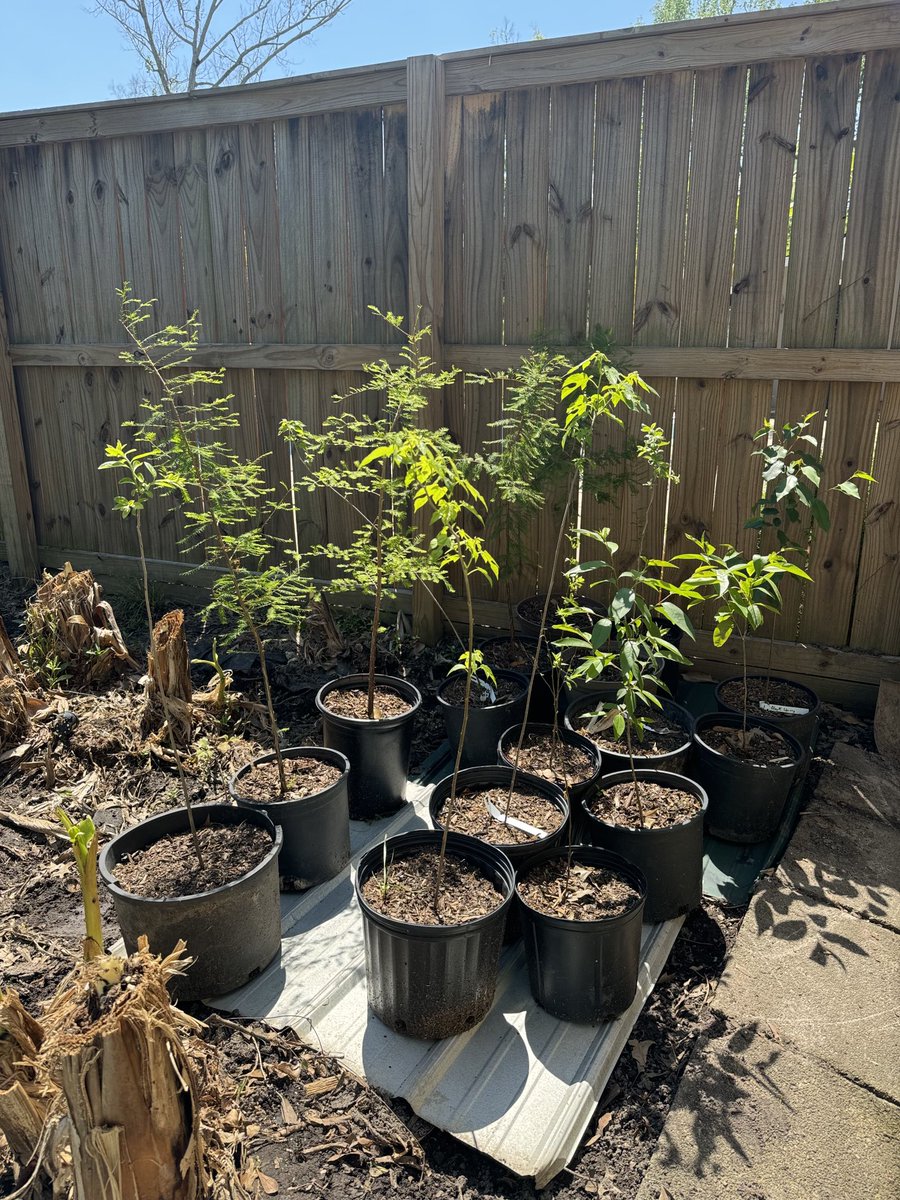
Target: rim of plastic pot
[(551, 791), (735, 721), (228, 814), (597, 857), (321, 752), (684, 720), (407, 690), (774, 718), (567, 735), (668, 779), (500, 673), (492, 859)]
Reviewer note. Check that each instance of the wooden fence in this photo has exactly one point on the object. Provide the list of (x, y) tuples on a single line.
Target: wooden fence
[(724, 195)]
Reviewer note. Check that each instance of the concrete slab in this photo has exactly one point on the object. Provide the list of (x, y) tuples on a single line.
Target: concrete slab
[(753, 1120), (839, 855), (854, 778), (820, 978)]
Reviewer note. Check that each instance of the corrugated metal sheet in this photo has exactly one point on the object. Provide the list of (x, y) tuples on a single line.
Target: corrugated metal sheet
[(522, 1087)]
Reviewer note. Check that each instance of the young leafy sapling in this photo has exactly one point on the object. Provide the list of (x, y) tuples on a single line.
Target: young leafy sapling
[(83, 837)]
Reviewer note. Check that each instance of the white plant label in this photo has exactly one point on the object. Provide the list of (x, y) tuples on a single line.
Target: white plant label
[(787, 709)]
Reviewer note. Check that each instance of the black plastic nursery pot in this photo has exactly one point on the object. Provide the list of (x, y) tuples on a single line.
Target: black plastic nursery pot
[(613, 761), (490, 777), (670, 858), (527, 625), (509, 739), (543, 695), (746, 799), (584, 971), (378, 750), (801, 725), (316, 828), (232, 932), (433, 981), (486, 721)]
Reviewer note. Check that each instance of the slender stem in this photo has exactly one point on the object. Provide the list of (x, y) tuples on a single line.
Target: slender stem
[(93, 941), (746, 693), (167, 712), (379, 585), (451, 803), (634, 778), (771, 657), (540, 640)]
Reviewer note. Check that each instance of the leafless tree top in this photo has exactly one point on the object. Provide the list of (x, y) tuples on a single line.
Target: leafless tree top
[(190, 44)]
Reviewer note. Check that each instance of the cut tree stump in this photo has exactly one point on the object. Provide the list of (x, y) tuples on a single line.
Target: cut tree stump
[(169, 676)]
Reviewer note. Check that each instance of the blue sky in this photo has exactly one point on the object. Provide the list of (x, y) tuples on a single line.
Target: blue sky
[(58, 52)]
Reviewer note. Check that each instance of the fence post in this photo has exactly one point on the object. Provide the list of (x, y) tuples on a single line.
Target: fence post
[(15, 489), (425, 205)]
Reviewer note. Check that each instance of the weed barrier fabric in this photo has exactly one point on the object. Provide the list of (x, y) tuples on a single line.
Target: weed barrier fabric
[(521, 1087)]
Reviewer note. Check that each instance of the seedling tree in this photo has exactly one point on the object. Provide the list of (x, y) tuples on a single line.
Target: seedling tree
[(355, 457), (182, 452)]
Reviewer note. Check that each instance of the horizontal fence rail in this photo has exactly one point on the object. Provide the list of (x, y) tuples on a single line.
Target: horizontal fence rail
[(724, 196)]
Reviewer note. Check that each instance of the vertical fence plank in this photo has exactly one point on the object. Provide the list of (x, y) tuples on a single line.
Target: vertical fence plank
[(192, 178), (570, 209), (294, 187), (162, 218), (525, 240), (264, 286), (15, 493), (365, 199), (395, 232)]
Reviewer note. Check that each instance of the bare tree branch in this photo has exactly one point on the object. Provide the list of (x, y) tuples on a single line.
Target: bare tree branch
[(190, 44)]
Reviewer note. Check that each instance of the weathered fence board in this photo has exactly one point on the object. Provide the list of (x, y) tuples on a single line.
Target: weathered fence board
[(724, 196)]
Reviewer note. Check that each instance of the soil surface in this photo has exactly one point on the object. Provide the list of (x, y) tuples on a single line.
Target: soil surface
[(659, 736), (758, 746), (585, 893), (514, 656), (504, 691), (661, 806), (405, 891), (551, 758), (169, 867), (471, 815), (305, 777), (761, 692), (354, 702)]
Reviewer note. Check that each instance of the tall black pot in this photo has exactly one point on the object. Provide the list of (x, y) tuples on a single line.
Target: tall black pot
[(546, 684), (670, 858), (316, 828), (802, 725), (378, 751), (232, 932), (486, 722), (583, 971), (613, 761), (746, 799), (433, 981)]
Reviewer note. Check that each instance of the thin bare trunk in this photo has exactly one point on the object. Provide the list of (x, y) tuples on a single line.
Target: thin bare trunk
[(379, 584)]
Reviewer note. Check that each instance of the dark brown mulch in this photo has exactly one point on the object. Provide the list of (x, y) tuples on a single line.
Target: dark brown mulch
[(757, 746), (471, 816), (513, 656), (305, 777), (659, 737), (761, 692), (405, 891), (583, 893), (550, 758), (504, 689), (169, 867), (353, 702), (662, 806)]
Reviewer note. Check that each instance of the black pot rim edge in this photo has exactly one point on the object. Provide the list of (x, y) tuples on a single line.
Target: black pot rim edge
[(773, 717), (647, 758), (620, 864), (590, 747), (323, 752), (502, 673), (251, 815), (736, 719), (532, 779), (353, 681)]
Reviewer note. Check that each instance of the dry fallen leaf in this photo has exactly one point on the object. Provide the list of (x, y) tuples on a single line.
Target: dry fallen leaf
[(288, 1112), (664, 1194), (267, 1183), (600, 1130), (639, 1052)]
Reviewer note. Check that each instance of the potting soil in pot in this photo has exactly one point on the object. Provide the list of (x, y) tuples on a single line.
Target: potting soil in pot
[(662, 806), (764, 692), (169, 868), (659, 737), (472, 816), (550, 758), (305, 777), (513, 656), (760, 746), (353, 702), (505, 689), (406, 889), (584, 893)]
